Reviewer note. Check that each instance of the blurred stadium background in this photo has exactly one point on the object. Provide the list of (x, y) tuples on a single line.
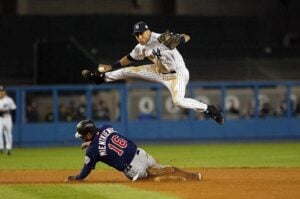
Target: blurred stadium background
[(243, 55)]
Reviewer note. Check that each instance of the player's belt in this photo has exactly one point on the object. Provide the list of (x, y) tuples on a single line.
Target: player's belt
[(129, 166), (171, 72)]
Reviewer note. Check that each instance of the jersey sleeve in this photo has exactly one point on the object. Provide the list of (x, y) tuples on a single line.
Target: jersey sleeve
[(137, 53), (89, 164), (12, 105)]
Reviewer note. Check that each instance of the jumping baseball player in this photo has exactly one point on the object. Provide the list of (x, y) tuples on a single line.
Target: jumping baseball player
[(6, 106), (168, 67), (106, 145)]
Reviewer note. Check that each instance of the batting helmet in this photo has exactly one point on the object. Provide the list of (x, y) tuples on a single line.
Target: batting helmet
[(84, 127)]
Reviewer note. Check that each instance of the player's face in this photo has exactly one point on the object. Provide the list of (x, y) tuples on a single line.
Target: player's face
[(87, 137), (143, 37), (2, 94)]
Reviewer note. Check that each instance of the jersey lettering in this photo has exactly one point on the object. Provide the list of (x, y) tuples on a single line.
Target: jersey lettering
[(117, 144)]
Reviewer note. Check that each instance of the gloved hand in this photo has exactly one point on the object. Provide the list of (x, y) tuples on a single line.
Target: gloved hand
[(169, 39)]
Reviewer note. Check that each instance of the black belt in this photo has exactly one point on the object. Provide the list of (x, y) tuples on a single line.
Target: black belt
[(171, 72), (129, 166)]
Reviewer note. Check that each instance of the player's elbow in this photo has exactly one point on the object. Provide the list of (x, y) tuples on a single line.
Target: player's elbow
[(186, 37)]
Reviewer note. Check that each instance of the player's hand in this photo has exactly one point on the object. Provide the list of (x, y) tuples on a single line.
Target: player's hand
[(169, 39), (102, 68), (71, 179), (85, 144)]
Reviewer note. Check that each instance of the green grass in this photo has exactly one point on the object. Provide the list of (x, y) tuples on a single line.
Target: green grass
[(284, 154), (74, 191), (229, 155), (186, 156)]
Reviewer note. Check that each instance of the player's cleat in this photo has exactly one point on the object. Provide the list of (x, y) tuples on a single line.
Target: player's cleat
[(1, 151), (135, 177), (95, 77), (198, 176), (8, 152), (214, 112)]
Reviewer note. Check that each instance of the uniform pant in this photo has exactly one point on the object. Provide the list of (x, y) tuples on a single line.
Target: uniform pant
[(140, 164), (6, 132), (175, 82)]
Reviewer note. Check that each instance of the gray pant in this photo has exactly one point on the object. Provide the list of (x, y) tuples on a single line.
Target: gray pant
[(141, 162)]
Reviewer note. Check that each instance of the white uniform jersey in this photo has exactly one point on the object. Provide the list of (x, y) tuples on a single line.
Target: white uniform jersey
[(7, 104), (154, 50)]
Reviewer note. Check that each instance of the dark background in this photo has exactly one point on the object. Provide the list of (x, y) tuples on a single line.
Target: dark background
[(40, 45)]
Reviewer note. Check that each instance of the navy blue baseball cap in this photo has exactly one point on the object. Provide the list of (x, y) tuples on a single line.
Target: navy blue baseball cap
[(140, 27)]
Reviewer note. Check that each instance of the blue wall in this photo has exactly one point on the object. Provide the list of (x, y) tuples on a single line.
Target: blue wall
[(62, 133)]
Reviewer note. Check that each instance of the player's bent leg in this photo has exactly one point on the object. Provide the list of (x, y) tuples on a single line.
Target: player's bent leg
[(139, 165), (172, 173), (146, 72), (161, 171), (190, 103)]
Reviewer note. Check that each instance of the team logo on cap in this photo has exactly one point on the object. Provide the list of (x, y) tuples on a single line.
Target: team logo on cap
[(137, 26), (146, 26)]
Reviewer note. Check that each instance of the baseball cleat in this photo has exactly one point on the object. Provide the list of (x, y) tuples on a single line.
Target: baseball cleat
[(198, 176), (95, 77), (214, 112), (135, 177)]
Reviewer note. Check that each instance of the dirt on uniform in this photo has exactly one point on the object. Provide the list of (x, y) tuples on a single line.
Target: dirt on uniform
[(220, 183)]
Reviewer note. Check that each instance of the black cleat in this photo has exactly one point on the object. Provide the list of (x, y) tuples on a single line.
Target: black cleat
[(214, 112), (8, 152), (96, 77)]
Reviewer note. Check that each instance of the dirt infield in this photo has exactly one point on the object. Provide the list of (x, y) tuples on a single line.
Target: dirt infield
[(217, 183)]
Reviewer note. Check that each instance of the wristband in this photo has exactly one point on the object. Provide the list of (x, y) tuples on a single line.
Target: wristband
[(117, 64), (182, 40)]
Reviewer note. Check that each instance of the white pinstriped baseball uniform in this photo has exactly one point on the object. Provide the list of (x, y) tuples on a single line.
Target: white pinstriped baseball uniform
[(6, 104), (173, 62)]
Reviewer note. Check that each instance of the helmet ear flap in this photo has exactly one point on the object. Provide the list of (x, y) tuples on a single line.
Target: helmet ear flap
[(84, 127)]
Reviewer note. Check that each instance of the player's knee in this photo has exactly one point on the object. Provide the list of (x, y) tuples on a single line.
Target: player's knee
[(177, 102)]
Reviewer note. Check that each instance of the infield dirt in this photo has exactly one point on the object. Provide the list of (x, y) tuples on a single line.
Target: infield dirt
[(230, 183)]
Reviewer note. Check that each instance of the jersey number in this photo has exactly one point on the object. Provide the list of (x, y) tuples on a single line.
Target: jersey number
[(117, 145)]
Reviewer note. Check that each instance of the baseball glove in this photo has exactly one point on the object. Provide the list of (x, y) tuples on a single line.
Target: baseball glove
[(169, 39)]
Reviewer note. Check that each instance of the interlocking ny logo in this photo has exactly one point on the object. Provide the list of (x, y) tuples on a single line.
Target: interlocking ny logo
[(156, 53)]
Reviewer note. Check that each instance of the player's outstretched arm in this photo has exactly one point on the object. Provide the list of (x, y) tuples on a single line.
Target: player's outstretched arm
[(102, 68), (172, 40), (85, 171)]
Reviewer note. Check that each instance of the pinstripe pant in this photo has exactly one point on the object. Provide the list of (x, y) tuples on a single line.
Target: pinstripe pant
[(175, 82)]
